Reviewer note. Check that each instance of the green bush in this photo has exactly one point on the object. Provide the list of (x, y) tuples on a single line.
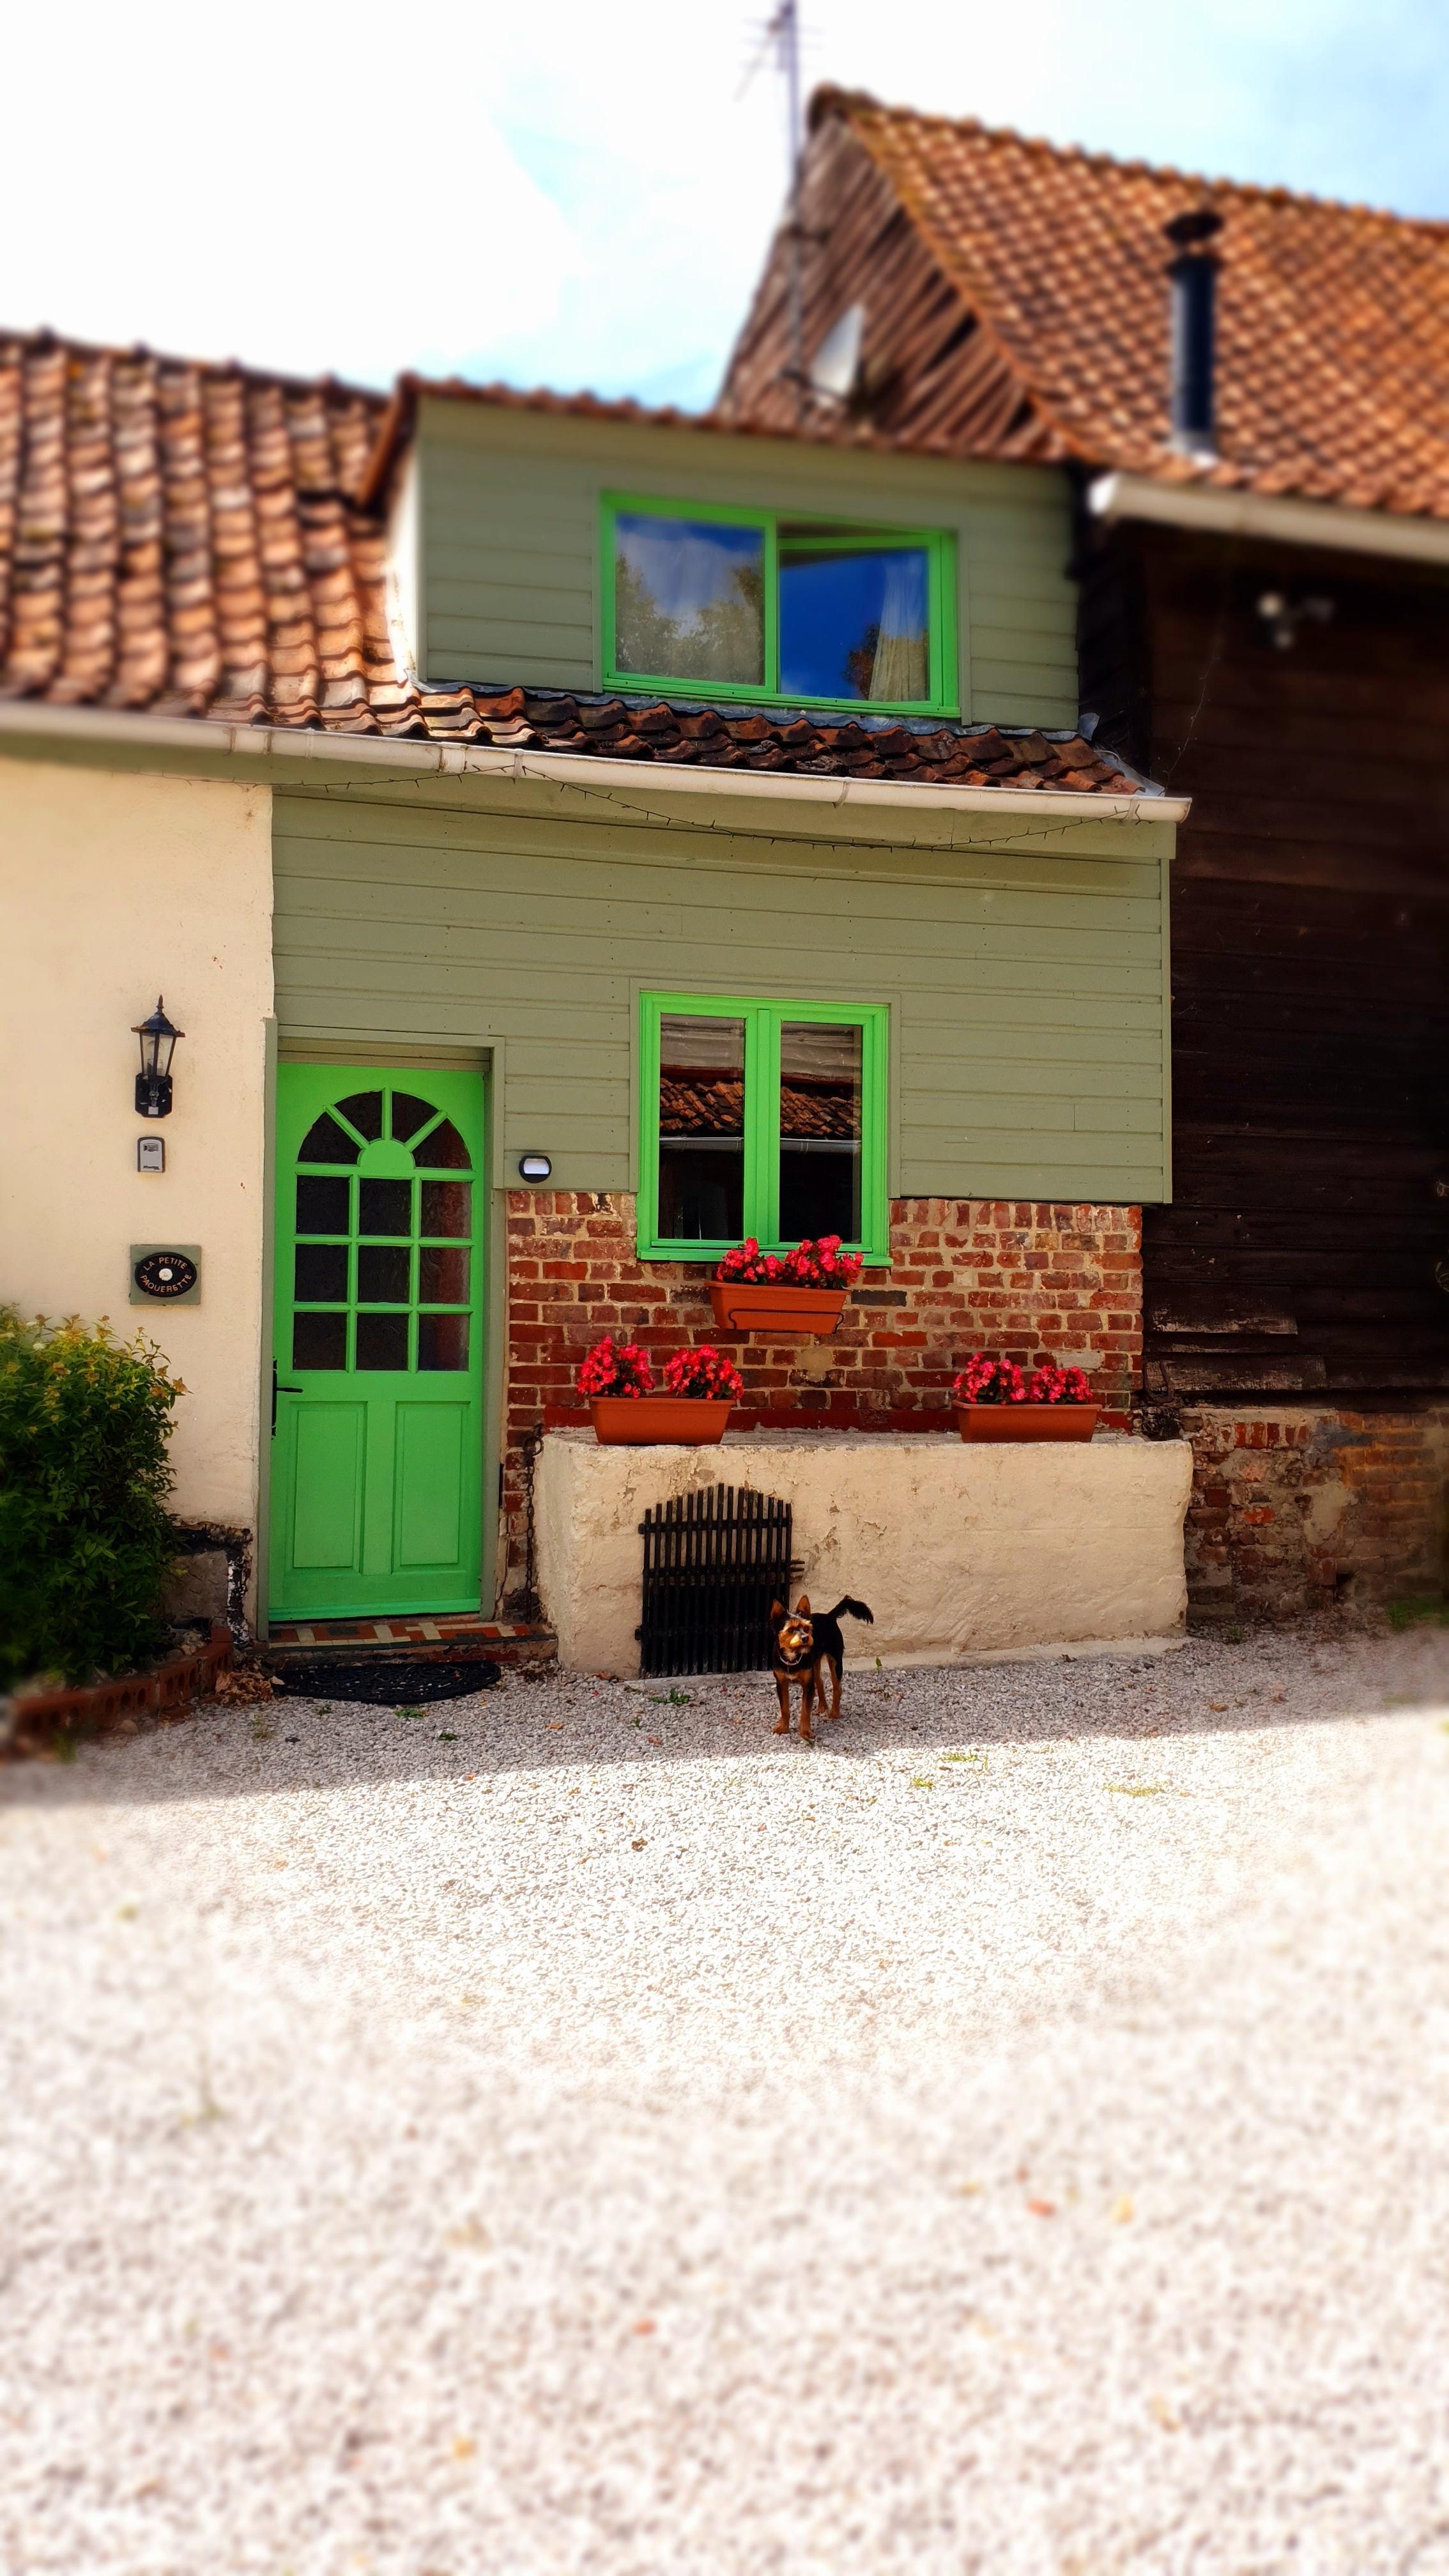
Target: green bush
[(86, 1541)]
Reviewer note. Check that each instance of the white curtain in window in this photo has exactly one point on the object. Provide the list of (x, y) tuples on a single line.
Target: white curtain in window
[(901, 666)]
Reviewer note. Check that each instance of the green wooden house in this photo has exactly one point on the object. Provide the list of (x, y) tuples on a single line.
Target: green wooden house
[(675, 834)]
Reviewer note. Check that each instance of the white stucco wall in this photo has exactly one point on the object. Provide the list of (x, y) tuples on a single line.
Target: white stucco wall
[(114, 888), (960, 1549)]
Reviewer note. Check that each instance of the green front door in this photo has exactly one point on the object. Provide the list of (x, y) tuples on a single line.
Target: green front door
[(377, 1449)]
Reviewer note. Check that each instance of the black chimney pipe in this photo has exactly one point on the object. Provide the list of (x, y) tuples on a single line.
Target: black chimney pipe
[(1194, 275)]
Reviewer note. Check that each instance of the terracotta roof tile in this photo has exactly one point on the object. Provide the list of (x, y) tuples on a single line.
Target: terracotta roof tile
[(868, 747), (186, 538), (1037, 322)]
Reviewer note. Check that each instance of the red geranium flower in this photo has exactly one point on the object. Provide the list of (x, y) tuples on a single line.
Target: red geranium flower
[(615, 1368), (1053, 1385), (817, 1263), (705, 1372), (987, 1381)]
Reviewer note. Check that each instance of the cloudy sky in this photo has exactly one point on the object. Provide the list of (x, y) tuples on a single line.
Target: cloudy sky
[(581, 194)]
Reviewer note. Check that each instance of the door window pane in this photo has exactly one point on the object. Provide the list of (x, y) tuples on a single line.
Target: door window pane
[(384, 1274), (326, 1142), (447, 1207), (382, 1341), (701, 1128), (319, 1342), (320, 1273), (444, 1150), (443, 1279), (442, 1341), (689, 598), (409, 1114), (322, 1206), (820, 1095), (364, 1112), (854, 621), (386, 1207)]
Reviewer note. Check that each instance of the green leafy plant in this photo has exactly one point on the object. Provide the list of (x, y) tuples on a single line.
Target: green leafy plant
[(1421, 1608), (86, 1540)]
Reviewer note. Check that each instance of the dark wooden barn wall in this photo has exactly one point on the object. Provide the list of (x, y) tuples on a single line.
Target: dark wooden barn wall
[(1310, 962)]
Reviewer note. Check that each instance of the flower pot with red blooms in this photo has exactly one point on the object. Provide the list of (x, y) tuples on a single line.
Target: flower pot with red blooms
[(799, 1295), (699, 1389), (660, 1421), (995, 1400), (617, 1379)]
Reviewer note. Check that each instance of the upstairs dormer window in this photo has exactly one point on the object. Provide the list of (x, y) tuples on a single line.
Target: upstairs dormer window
[(729, 603)]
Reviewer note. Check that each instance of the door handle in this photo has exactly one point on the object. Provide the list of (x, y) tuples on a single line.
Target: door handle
[(279, 1390)]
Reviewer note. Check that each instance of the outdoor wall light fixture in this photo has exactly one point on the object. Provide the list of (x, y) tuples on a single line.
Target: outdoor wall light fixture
[(157, 1039), (534, 1167)]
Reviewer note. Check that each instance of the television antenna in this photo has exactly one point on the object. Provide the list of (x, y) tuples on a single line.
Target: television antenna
[(780, 36)]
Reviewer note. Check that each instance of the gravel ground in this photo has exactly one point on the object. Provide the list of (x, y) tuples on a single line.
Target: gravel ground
[(571, 2130)]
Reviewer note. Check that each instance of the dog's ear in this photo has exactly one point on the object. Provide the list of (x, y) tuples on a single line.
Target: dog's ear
[(802, 1606), (777, 1614)]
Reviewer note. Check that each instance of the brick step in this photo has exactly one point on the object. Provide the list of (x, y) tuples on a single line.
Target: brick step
[(427, 1640)]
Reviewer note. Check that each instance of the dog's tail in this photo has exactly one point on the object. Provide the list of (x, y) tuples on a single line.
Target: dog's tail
[(853, 1610)]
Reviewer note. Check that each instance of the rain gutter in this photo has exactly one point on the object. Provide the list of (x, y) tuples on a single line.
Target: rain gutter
[(82, 725), (1250, 514)]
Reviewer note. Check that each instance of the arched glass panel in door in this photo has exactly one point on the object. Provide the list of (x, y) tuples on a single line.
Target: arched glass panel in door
[(383, 1262), (377, 1329)]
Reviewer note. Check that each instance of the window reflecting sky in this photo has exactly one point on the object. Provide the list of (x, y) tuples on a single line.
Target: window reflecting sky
[(853, 625)]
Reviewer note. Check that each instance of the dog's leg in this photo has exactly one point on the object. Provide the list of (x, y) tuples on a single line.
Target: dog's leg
[(831, 1671), (782, 1723), (807, 1702)]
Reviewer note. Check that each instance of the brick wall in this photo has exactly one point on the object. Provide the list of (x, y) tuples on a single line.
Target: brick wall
[(1022, 1278), (1294, 1508)]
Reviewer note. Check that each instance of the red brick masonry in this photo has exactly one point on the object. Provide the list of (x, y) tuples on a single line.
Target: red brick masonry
[(1020, 1277), (1294, 1507)]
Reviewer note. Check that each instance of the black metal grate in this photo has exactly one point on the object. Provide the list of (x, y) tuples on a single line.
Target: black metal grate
[(713, 1564)]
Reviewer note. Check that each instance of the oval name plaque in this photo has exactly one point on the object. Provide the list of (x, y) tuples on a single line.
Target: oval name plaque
[(165, 1274)]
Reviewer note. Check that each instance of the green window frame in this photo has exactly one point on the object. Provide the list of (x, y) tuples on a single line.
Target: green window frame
[(762, 1025), (944, 694)]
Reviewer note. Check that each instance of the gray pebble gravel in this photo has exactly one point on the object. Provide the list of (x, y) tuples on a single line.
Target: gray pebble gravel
[(571, 2130)]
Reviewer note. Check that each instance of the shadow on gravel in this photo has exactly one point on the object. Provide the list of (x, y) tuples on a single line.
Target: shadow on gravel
[(1275, 1678)]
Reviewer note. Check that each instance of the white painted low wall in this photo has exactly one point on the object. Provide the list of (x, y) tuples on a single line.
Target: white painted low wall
[(961, 1551)]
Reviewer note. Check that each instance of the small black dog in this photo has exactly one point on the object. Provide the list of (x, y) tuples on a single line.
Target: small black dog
[(810, 1650)]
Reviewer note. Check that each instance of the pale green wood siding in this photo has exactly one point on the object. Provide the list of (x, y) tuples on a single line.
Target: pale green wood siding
[(509, 506), (1026, 983)]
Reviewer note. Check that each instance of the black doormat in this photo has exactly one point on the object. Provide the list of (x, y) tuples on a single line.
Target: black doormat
[(404, 1683)]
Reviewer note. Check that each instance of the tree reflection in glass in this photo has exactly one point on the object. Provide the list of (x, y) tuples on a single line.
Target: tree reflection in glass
[(689, 599), (854, 620)]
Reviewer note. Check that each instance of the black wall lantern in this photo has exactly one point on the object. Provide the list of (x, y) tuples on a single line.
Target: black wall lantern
[(157, 1039)]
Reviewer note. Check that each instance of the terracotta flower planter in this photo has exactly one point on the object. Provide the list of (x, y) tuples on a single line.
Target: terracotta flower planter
[(1027, 1421), (800, 1314), (649, 1421)]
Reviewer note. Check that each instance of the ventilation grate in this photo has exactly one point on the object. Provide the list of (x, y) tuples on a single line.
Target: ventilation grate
[(713, 1564)]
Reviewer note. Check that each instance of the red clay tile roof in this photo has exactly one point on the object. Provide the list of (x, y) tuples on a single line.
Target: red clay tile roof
[(190, 540), (182, 538), (689, 735), (1333, 339), (705, 1105)]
